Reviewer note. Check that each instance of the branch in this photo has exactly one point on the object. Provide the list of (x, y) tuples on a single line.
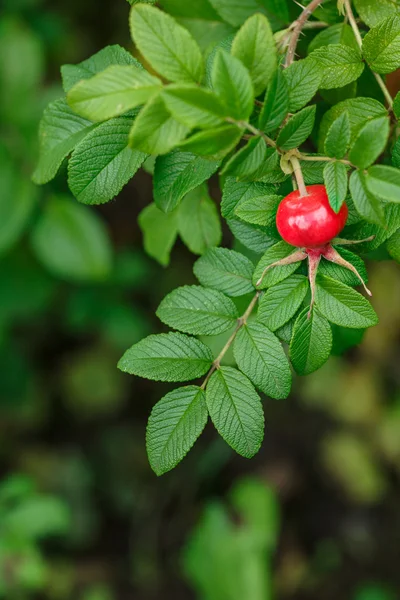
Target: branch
[(297, 28), (240, 323), (358, 37)]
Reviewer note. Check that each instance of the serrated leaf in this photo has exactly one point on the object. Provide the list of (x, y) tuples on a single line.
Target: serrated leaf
[(102, 164), (260, 210), (393, 246), (112, 92), (275, 274), (167, 357), (235, 193), (225, 270), (313, 171), (340, 33), (384, 181), (335, 179), (260, 356), (381, 46), (396, 106), (297, 129), (160, 231), (166, 45), (254, 45), (337, 139), (276, 103), (372, 12), (155, 131), (396, 154), (335, 271), (360, 111), (342, 305), (176, 174), (281, 302), (110, 55), (370, 142), (365, 202), (254, 237), (337, 64), (198, 310), (175, 423), (311, 342), (60, 131), (72, 241), (236, 410), (213, 143), (248, 160), (235, 13), (194, 106), (303, 81), (198, 221), (232, 83)]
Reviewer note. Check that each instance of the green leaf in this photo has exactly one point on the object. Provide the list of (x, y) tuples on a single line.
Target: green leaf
[(303, 81), (235, 12), (275, 274), (102, 164), (384, 182), (254, 45), (370, 142), (311, 342), (194, 106), (112, 92), (176, 174), (396, 106), (342, 305), (360, 111), (372, 12), (396, 154), (167, 357), (175, 423), (260, 356), (155, 131), (198, 310), (110, 55), (232, 83), (248, 160), (259, 211), (72, 242), (276, 103), (166, 45), (236, 410), (255, 238), (225, 270), (160, 231), (282, 301), (335, 271), (337, 64), (297, 129), (337, 139), (367, 205), (393, 246), (198, 221), (60, 131), (213, 143), (340, 33), (335, 179), (381, 46), (235, 193)]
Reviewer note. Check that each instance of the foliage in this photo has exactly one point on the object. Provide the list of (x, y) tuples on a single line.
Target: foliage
[(189, 105)]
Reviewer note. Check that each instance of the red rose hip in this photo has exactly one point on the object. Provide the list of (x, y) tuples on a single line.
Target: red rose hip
[(309, 221)]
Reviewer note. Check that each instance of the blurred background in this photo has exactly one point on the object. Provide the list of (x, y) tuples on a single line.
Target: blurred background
[(315, 516)]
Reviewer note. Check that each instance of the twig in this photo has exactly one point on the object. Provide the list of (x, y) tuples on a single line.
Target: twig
[(306, 157), (240, 323), (358, 37), (298, 26)]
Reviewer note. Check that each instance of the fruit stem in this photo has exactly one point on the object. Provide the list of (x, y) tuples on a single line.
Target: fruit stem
[(358, 37), (298, 173)]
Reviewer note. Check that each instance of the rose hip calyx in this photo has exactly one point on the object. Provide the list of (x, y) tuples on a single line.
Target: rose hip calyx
[(310, 224)]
